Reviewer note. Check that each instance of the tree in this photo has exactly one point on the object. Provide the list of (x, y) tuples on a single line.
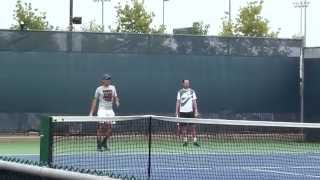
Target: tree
[(30, 18), (92, 26), (227, 27), (248, 23), (133, 18), (160, 30), (199, 28)]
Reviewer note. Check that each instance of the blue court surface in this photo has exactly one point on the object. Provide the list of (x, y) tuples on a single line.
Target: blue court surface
[(194, 167)]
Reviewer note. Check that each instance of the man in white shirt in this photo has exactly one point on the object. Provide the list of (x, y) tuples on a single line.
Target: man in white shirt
[(186, 107), (106, 94)]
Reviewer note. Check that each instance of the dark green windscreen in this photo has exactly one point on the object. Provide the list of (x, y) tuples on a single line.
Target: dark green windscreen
[(65, 82), (312, 89), (57, 73)]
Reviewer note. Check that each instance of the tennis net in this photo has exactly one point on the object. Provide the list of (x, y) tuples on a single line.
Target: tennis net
[(17, 169), (159, 147)]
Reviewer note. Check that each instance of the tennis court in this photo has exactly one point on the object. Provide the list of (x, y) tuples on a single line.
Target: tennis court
[(212, 166), (226, 151), (24, 147)]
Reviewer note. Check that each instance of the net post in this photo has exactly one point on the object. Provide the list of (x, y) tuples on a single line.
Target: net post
[(149, 146), (46, 140)]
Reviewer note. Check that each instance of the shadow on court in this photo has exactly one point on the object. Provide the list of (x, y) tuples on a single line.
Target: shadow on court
[(204, 166)]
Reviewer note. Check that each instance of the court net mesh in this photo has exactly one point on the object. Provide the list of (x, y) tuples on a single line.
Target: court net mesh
[(158, 147)]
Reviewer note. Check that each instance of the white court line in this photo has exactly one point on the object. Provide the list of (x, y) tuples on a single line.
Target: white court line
[(220, 167), (170, 168), (295, 167), (20, 154), (316, 157), (282, 172), (143, 168), (282, 167)]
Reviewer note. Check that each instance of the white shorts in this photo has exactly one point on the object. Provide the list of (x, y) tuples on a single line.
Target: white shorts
[(105, 113)]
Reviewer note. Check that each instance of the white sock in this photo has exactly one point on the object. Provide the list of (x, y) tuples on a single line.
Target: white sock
[(194, 139)]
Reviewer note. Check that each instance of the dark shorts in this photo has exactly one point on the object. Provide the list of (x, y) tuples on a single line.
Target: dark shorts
[(104, 125), (186, 115)]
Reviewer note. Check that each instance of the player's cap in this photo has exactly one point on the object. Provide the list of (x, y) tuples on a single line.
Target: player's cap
[(106, 77)]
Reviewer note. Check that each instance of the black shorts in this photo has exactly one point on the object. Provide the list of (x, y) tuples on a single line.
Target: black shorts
[(104, 125), (186, 115)]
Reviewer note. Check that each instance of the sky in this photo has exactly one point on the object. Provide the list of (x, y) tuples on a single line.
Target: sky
[(178, 13)]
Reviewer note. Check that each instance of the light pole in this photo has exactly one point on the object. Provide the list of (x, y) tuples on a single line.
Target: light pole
[(306, 4), (71, 16), (73, 20), (229, 12), (163, 11), (102, 13), (303, 6), (102, 10)]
